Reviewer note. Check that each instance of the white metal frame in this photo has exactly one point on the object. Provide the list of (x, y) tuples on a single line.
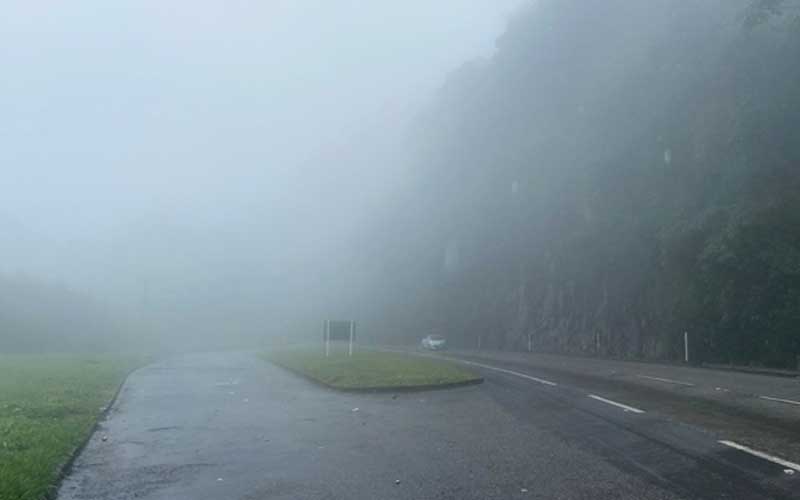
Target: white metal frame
[(326, 332)]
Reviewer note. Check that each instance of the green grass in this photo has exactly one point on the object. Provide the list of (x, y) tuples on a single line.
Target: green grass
[(48, 405), (372, 370)]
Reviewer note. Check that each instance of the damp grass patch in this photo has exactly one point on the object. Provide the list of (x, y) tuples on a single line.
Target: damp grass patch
[(373, 371), (49, 405)]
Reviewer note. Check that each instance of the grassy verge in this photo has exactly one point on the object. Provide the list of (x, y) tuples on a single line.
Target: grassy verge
[(373, 370), (48, 406)]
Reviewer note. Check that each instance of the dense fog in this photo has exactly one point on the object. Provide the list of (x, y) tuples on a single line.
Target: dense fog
[(200, 167), (593, 177)]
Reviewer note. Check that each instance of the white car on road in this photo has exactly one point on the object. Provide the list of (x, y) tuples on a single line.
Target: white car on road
[(433, 343)]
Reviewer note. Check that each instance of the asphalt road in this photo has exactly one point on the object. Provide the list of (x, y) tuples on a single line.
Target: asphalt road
[(228, 426), (756, 410), (771, 394)]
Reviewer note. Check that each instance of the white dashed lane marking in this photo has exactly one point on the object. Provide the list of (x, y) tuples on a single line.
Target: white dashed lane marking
[(780, 400), (614, 403), (666, 380), (760, 454)]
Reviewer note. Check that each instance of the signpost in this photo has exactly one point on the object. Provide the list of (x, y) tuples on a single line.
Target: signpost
[(339, 330)]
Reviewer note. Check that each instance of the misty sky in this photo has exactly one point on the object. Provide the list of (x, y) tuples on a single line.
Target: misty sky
[(207, 157), (112, 111)]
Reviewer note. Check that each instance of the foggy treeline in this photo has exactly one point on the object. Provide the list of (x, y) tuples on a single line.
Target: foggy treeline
[(619, 173), (36, 316), (614, 174)]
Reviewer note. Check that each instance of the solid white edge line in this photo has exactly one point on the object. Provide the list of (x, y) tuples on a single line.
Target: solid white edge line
[(618, 405), (761, 454), (488, 367), (503, 370), (667, 380), (780, 400)]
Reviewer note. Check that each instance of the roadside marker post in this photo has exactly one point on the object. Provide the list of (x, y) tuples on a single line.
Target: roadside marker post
[(326, 333), (686, 347), (352, 334)]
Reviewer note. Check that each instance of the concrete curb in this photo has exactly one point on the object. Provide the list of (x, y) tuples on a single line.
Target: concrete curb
[(379, 389), (64, 469)]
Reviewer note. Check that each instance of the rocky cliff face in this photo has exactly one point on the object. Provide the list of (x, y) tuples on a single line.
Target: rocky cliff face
[(619, 173)]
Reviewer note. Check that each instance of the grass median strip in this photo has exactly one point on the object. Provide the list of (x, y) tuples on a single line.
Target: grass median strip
[(373, 370), (48, 406)]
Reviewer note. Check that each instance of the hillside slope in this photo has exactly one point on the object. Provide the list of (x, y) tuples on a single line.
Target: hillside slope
[(619, 173)]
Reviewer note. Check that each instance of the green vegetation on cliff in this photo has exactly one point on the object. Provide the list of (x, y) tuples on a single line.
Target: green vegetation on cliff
[(618, 173)]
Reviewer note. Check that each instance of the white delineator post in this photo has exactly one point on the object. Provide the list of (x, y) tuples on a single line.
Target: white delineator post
[(352, 333), (327, 329), (530, 343), (686, 347)]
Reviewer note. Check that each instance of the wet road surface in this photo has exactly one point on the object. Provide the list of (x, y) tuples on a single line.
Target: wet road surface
[(229, 426)]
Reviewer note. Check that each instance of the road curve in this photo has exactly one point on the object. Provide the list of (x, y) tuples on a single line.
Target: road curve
[(229, 426)]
